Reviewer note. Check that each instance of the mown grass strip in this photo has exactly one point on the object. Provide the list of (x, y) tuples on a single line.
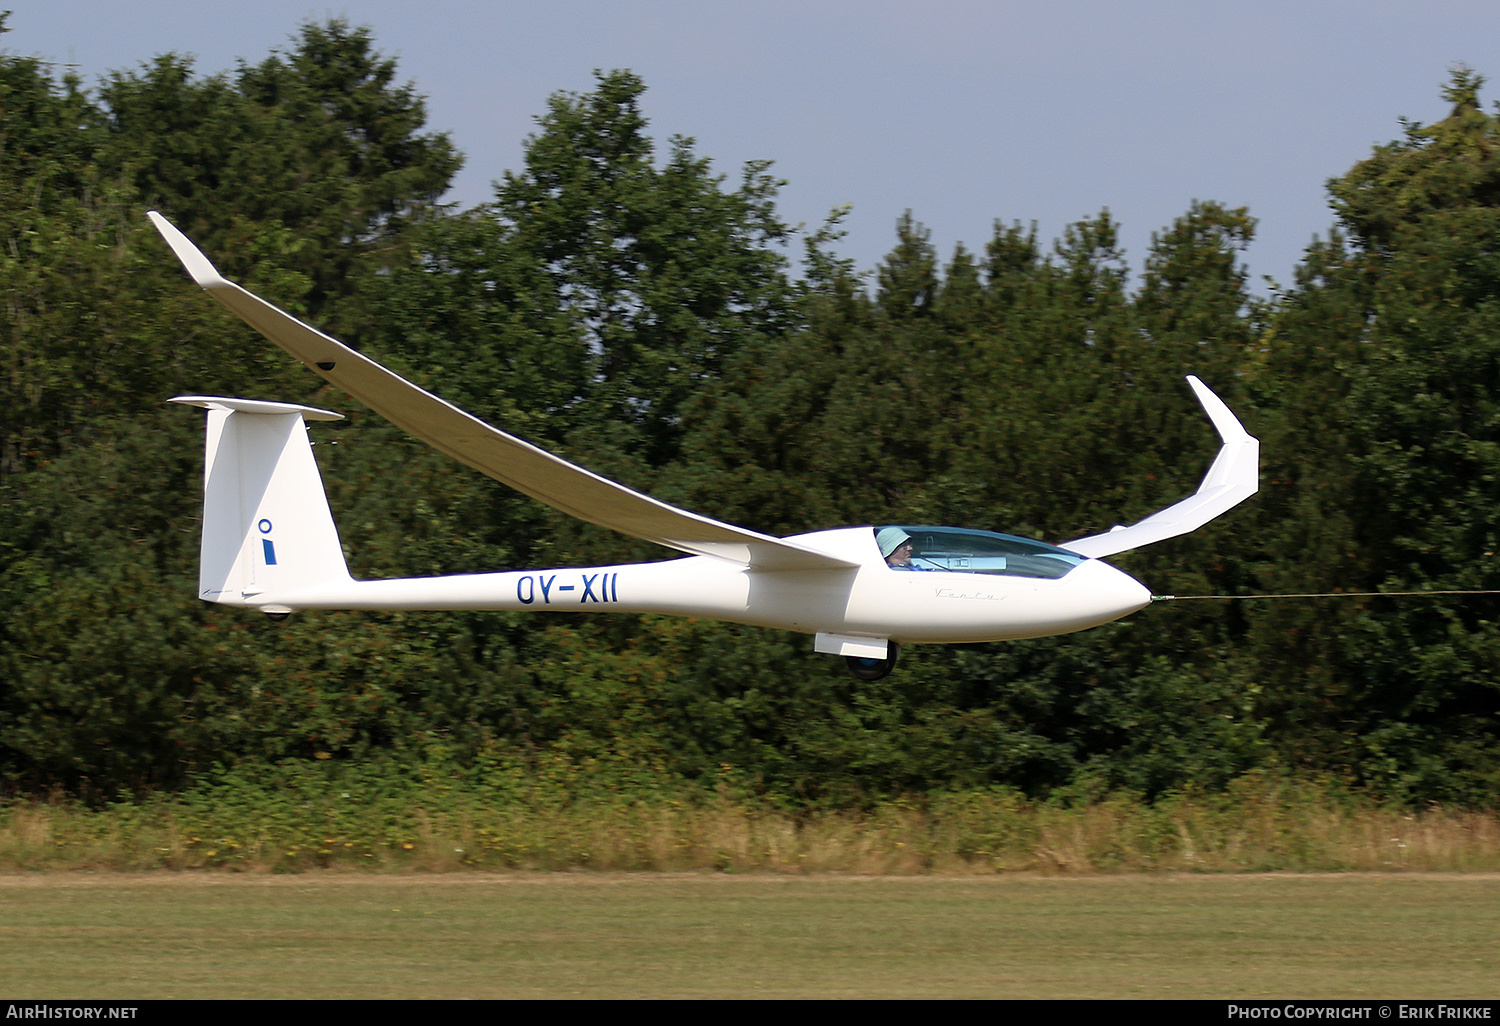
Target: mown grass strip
[(476, 935)]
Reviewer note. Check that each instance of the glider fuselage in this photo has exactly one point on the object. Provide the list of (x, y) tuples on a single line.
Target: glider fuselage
[(870, 599)]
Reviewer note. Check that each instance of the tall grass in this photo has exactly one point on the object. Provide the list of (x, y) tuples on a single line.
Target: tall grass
[(309, 821)]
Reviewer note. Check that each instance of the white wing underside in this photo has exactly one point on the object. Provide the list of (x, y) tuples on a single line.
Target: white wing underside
[(504, 457), (1233, 478)]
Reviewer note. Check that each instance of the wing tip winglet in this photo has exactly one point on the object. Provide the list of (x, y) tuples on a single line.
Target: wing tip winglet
[(198, 266), (1222, 417), (1233, 478)]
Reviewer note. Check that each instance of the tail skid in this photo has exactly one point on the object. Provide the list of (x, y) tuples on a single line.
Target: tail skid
[(267, 529)]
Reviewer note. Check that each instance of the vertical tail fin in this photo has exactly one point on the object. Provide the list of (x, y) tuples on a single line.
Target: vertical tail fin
[(267, 529)]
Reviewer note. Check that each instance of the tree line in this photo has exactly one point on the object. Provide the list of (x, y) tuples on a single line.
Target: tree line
[(621, 302)]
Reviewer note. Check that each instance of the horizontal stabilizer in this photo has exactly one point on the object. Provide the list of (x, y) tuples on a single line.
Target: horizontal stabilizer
[(218, 402)]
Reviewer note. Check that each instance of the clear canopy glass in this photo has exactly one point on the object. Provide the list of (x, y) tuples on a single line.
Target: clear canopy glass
[(982, 552)]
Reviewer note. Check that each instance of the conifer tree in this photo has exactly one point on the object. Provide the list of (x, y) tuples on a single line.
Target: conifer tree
[(1383, 374)]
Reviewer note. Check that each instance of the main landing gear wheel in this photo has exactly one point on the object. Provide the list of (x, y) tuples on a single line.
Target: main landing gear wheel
[(864, 668)]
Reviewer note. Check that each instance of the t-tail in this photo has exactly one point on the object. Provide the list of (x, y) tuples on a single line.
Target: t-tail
[(268, 534)]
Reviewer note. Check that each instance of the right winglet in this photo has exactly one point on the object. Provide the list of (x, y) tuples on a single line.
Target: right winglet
[(1233, 478)]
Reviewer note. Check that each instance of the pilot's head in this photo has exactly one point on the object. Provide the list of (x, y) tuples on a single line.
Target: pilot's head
[(895, 546)]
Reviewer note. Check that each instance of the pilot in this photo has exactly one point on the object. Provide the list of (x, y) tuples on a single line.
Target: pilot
[(896, 547)]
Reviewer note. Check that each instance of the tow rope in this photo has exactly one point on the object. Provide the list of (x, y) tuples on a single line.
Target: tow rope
[(1324, 594)]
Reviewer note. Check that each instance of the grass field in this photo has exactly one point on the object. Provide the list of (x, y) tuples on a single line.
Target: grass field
[(471, 935)]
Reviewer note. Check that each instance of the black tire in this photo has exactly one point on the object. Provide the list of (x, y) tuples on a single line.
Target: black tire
[(867, 669)]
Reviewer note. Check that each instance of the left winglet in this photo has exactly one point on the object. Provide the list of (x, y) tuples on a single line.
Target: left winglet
[(1233, 478), (198, 266)]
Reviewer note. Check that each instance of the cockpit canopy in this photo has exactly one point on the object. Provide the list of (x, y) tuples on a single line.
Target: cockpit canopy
[(982, 552)]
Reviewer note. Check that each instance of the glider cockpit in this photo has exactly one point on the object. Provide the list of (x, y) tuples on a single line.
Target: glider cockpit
[(978, 552)]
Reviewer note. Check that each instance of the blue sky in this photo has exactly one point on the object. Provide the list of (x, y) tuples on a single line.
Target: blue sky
[(961, 111)]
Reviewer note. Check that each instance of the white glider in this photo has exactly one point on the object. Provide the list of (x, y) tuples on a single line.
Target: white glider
[(269, 540)]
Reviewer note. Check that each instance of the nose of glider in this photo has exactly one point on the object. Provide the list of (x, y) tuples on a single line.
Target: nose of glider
[(1110, 593)]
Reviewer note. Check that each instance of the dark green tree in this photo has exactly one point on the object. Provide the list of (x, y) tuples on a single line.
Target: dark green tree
[(320, 143), (111, 673), (666, 273), (1381, 375)]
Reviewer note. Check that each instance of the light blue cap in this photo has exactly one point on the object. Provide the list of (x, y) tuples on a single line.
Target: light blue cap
[(889, 539)]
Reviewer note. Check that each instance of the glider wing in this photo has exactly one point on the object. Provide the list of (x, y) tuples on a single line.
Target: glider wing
[(504, 457)]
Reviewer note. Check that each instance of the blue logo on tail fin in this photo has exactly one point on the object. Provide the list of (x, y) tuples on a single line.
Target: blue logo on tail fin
[(265, 543)]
